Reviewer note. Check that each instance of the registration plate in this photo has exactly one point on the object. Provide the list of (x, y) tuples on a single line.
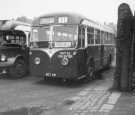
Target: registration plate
[(50, 74)]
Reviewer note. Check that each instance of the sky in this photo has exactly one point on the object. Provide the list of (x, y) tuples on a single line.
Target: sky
[(97, 10)]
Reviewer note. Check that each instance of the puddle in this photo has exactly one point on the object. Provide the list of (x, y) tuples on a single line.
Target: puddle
[(70, 101), (27, 111)]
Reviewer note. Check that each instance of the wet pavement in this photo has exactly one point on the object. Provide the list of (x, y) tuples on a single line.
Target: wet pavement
[(31, 96)]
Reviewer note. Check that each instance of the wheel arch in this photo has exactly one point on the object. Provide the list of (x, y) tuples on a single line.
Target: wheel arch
[(13, 72), (18, 57)]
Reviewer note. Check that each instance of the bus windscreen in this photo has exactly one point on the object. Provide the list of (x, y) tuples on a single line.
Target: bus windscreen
[(64, 36), (57, 35)]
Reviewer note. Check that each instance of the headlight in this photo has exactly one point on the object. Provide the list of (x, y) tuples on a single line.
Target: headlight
[(37, 60), (3, 57), (64, 61), (74, 53)]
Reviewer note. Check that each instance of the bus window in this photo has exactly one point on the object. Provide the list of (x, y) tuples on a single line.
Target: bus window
[(58, 36), (97, 36), (81, 39), (105, 38), (102, 37), (34, 37), (22, 40), (90, 35), (40, 37), (110, 38), (15, 39), (43, 34), (64, 36)]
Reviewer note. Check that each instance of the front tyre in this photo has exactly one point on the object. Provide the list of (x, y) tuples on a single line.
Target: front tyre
[(18, 70)]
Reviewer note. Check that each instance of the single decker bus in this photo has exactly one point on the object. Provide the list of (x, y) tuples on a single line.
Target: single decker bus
[(14, 48), (69, 46)]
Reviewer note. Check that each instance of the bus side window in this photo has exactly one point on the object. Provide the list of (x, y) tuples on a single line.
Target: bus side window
[(17, 40), (110, 38), (90, 35), (23, 40), (102, 37), (97, 36), (81, 37)]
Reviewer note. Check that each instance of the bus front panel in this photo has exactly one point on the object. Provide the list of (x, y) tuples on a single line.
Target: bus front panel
[(53, 63)]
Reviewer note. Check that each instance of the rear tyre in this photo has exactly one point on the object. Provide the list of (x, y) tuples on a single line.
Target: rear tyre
[(18, 70)]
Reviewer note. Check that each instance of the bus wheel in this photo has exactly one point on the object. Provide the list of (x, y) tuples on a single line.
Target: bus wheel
[(18, 70)]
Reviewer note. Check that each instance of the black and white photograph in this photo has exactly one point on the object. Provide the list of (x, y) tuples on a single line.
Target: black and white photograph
[(67, 57)]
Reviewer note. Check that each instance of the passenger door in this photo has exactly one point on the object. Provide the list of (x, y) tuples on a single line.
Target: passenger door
[(81, 50)]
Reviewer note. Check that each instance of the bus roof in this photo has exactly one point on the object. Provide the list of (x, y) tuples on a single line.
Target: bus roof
[(73, 18), (16, 25), (99, 26), (75, 15), (10, 32)]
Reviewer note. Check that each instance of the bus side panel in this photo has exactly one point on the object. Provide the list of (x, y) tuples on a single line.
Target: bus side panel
[(98, 57), (68, 71), (81, 58), (105, 58), (108, 55), (102, 56), (112, 54)]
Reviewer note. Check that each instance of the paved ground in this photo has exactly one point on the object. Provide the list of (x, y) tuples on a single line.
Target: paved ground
[(31, 96)]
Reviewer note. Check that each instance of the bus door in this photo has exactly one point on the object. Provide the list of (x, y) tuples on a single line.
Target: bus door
[(102, 48), (81, 50), (105, 49), (97, 49)]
